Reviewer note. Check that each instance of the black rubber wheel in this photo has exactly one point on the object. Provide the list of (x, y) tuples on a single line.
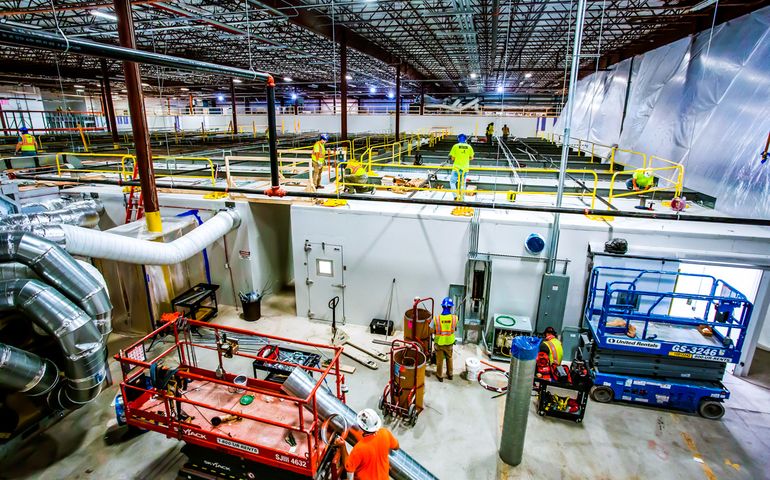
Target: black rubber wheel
[(411, 415), (711, 409), (382, 404), (602, 394)]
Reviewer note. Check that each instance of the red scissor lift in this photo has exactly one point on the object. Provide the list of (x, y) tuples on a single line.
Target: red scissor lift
[(179, 394)]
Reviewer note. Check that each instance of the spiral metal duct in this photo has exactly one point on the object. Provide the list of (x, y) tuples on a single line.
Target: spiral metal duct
[(54, 265), (81, 342), (300, 385)]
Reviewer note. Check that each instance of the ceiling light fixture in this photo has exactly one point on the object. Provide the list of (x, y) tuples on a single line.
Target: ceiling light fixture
[(500, 89), (235, 80), (372, 90), (287, 79), (527, 75), (79, 86), (348, 77), (221, 98), (474, 75), (184, 89), (105, 15), (391, 95), (293, 96)]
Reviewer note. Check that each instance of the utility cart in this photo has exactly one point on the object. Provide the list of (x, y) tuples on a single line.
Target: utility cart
[(403, 395), (200, 390), (663, 348)]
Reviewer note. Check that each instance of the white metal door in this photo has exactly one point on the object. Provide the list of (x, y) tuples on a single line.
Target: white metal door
[(325, 280)]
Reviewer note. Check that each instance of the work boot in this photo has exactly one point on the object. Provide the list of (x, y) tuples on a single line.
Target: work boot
[(440, 379), (450, 377)]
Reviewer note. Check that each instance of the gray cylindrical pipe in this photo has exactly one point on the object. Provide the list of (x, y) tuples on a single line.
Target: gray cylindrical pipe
[(57, 267), (26, 372), (300, 385), (522, 371), (78, 337)]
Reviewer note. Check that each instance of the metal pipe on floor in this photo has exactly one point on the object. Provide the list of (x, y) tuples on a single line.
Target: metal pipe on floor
[(299, 384), (553, 245), (518, 397), (422, 201)]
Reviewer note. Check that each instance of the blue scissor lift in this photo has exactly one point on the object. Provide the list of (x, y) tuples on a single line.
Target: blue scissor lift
[(642, 349)]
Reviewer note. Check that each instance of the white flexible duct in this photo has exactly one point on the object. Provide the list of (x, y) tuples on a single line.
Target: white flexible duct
[(104, 245)]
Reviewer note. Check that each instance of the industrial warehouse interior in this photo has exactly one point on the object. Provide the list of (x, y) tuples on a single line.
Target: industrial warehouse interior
[(372, 239)]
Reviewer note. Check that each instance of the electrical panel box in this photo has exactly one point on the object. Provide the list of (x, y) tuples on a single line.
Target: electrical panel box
[(501, 331), (553, 300)]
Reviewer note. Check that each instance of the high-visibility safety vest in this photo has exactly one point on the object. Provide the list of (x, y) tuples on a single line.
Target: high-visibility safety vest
[(28, 143), (319, 152), (490, 129), (356, 169), (461, 153), (444, 329), (555, 350)]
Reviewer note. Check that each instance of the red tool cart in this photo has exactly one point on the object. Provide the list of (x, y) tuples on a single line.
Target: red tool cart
[(201, 389)]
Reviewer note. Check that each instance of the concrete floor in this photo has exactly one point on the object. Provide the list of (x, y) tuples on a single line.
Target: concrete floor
[(461, 420)]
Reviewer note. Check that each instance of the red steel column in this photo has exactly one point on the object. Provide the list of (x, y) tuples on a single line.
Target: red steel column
[(138, 119), (109, 106), (344, 88), (398, 101), (232, 102)]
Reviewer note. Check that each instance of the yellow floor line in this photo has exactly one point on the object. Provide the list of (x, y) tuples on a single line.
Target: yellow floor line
[(688, 440)]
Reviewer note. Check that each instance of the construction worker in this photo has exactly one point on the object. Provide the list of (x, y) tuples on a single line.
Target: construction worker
[(318, 158), (490, 132), (552, 346), (357, 176), (27, 143), (506, 133), (368, 460), (461, 155), (640, 180), (444, 338)]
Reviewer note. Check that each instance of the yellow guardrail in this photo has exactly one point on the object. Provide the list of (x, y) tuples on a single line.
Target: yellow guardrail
[(341, 183), (126, 172)]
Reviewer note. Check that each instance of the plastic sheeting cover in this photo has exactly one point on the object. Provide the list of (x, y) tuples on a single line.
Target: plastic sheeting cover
[(704, 105)]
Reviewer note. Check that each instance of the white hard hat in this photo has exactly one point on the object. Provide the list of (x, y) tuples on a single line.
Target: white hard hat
[(368, 420)]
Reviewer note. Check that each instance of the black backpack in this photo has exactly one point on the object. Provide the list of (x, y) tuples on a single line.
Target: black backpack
[(616, 245)]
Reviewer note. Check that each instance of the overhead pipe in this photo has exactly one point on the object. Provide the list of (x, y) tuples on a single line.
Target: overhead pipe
[(109, 246), (423, 201), (24, 37), (553, 243), (53, 264), (300, 385), (82, 345)]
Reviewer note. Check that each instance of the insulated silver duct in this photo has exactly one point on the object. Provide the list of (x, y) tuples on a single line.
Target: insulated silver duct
[(300, 385), (84, 213), (81, 343), (26, 372), (54, 265)]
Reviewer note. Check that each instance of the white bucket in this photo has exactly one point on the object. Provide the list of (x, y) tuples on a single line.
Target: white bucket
[(473, 367)]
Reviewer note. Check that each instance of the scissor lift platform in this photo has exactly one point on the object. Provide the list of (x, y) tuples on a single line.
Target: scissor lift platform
[(640, 351)]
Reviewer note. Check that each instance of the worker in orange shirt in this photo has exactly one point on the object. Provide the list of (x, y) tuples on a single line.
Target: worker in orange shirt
[(318, 158), (369, 458)]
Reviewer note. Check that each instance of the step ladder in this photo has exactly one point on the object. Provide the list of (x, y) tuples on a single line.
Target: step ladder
[(134, 203)]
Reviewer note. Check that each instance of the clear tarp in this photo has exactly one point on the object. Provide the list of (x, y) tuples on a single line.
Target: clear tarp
[(701, 101)]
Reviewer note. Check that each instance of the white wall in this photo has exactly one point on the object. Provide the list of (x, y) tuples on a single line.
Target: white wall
[(425, 249)]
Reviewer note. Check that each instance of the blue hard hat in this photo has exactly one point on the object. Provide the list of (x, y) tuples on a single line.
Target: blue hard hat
[(324, 137), (534, 244), (24, 130), (462, 138), (447, 302)]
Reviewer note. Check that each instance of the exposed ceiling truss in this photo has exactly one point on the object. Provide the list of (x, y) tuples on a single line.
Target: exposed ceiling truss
[(451, 46)]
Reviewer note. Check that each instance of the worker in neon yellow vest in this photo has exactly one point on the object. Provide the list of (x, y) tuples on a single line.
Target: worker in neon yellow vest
[(27, 143), (357, 176), (461, 155), (444, 327), (318, 159), (640, 180)]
